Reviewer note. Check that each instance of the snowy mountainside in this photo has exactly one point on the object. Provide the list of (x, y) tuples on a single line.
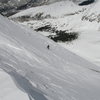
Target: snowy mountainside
[(54, 74), (9, 91), (10, 7), (68, 16)]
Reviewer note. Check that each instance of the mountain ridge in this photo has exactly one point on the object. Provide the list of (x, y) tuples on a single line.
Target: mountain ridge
[(11, 7)]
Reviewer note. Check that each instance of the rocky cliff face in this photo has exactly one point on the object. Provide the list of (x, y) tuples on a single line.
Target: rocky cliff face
[(9, 7)]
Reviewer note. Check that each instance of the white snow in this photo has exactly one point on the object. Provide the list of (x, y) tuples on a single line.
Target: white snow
[(56, 9), (8, 90), (66, 15), (54, 74)]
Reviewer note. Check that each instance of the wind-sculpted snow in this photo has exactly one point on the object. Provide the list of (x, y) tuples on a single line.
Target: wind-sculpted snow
[(54, 74), (27, 86), (8, 89)]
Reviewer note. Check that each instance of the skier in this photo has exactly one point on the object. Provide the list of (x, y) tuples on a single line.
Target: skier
[(48, 47)]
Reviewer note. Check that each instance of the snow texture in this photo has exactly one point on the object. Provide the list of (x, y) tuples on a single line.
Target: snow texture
[(66, 15), (54, 74)]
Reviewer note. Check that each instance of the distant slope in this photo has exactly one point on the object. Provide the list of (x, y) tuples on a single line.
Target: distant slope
[(10, 7), (54, 74)]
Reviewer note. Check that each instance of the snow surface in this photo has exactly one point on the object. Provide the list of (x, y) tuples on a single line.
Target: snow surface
[(55, 74), (66, 15), (8, 90)]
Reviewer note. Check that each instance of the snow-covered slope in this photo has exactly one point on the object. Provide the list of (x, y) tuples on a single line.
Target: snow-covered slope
[(66, 15), (54, 74), (8, 89)]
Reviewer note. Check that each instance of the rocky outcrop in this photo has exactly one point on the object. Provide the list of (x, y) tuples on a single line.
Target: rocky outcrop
[(87, 2)]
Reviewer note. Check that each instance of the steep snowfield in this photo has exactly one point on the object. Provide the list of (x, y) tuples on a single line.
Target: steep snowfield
[(66, 15), (54, 74), (8, 90)]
